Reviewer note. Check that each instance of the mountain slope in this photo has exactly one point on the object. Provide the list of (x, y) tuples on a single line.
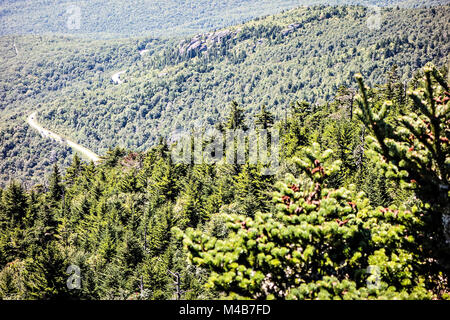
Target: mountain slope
[(35, 70), (102, 18), (303, 54)]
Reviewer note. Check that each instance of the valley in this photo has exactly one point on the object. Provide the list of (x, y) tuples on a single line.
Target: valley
[(46, 134), (240, 150)]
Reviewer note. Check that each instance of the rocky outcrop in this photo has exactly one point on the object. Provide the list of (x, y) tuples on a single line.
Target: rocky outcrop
[(290, 28), (201, 42)]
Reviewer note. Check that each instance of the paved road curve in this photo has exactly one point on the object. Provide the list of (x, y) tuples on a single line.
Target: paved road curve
[(86, 153), (116, 77)]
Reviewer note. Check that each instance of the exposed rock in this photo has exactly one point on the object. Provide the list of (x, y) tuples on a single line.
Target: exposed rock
[(201, 42), (195, 45), (291, 28)]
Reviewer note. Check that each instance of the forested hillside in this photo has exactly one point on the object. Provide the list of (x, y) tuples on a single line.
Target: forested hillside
[(173, 85), (160, 18), (35, 70), (345, 107), (355, 211), (303, 54)]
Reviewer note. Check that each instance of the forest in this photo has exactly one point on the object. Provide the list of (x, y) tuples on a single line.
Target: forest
[(358, 129), (357, 210), (301, 54), (262, 61), (156, 18)]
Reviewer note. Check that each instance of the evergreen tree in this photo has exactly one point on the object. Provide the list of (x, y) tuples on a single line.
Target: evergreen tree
[(14, 204), (345, 97), (74, 170), (414, 151), (163, 185), (298, 251), (113, 156), (394, 89), (264, 119), (56, 187), (130, 182), (252, 190), (295, 131)]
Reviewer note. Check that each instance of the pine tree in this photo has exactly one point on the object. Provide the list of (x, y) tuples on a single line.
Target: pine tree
[(394, 90), (345, 97), (56, 187), (46, 223), (251, 189), (130, 182), (160, 225), (295, 131), (40, 276), (345, 140), (414, 150), (163, 184), (264, 119), (236, 118), (317, 245), (74, 170), (14, 204), (113, 156)]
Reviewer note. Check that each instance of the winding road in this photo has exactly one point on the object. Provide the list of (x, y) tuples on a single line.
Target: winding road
[(86, 153), (115, 77)]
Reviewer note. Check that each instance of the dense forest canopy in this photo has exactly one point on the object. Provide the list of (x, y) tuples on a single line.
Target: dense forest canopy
[(355, 211), (157, 18), (261, 62), (349, 103), (301, 54), (38, 72)]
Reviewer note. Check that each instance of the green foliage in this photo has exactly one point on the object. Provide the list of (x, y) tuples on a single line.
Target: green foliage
[(122, 221), (326, 242), (252, 190), (318, 244), (55, 187), (181, 88), (300, 54), (14, 204), (264, 119), (25, 156), (364, 219), (416, 146), (236, 118), (413, 150), (162, 18)]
